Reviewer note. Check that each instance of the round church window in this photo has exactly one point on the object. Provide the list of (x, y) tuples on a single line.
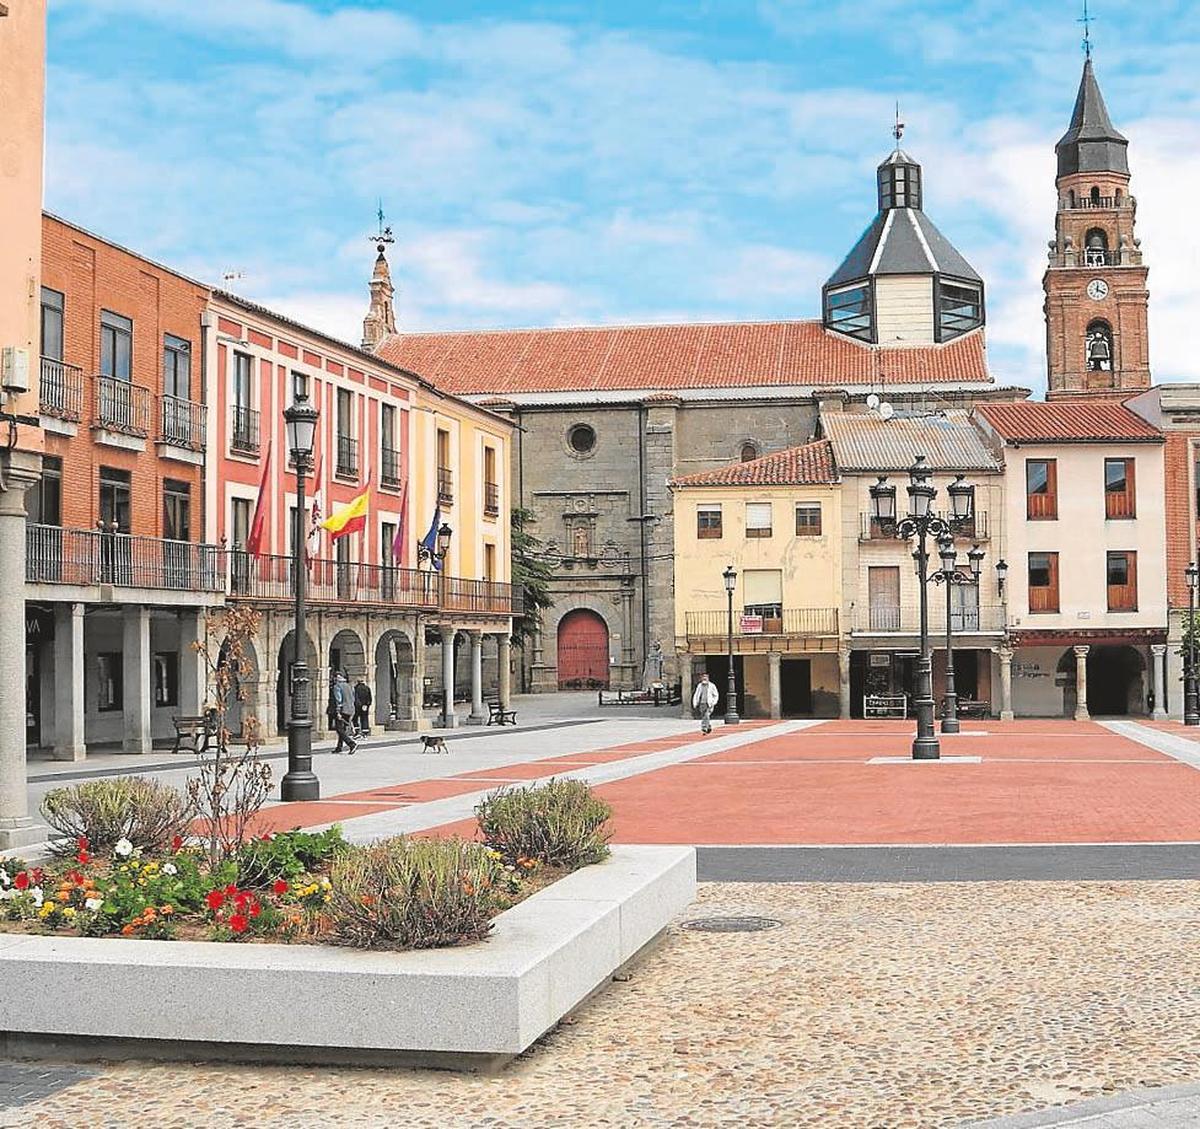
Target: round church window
[(582, 439)]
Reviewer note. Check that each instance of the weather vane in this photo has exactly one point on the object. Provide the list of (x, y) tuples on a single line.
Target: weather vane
[(1087, 21), (384, 235), (898, 128)]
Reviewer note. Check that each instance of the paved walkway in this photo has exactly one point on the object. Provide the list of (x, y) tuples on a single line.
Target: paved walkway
[(1177, 1106)]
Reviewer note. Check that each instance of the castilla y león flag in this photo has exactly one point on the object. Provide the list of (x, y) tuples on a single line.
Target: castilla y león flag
[(350, 518)]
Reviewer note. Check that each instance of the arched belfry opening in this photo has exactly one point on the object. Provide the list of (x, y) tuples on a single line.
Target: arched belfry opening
[(1098, 348)]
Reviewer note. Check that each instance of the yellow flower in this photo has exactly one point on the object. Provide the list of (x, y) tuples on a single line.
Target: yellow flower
[(68, 911), (47, 909)]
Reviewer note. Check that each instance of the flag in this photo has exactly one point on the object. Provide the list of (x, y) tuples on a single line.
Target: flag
[(259, 521), (401, 537), (350, 518), (313, 546), (429, 541)]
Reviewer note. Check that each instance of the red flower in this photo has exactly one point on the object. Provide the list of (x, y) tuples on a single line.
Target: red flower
[(21, 882), (238, 923), (281, 886), (255, 910), (38, 874), (177, 842), (231, 889), (83, 858), (75, 877), (82, 843), (215, 899)]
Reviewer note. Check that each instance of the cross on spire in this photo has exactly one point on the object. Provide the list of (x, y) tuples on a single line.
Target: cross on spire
[(1087, 22)]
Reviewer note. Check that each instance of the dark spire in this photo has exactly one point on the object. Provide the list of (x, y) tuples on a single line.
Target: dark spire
[(1092, 143)]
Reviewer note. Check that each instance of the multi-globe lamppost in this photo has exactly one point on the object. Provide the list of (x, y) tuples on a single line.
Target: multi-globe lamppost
[(731, 714), (301, 782), (952, 578), (1191, 704), (922, 522)]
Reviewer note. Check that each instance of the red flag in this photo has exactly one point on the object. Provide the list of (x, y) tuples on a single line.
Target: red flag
[(259, 521), (402, 529)]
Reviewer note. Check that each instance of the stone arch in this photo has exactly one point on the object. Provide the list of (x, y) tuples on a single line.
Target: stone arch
[(244, 676), (346, 653), (1095, 196), (583, 656), (1116, 680), (395, 678), (283, 689), (1099, 346)]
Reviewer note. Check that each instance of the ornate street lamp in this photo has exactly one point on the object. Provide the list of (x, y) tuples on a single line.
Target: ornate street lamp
[(951, 577), (301, 782), (1191, 706), (731, 714), (1001, 575), (923, 523)]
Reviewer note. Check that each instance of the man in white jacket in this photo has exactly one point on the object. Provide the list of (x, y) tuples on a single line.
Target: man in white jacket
[(705, 700)]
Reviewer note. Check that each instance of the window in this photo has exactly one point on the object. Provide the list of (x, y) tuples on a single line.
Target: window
[(581, 439), (239, 521), (387, 543), (177, 504), (389, 473), (116, 346), (1043, 582), (762, 590), (445, 477), (111, 692), (43, 503), (1119, 493), (166, 678), (749, 452), (848, 311), (964, 607), (883, 597), (491, 486), (242, 373), (347, 446), (960, 308), (1041, 489), (1122, 581), (708, 521), (758, 519), (114, 498), (489, 561), (52, 324), (899, 186), (177, 367), (244, 436), (808, 519)]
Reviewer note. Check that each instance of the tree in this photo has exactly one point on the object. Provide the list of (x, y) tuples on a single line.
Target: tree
[(531, 574)]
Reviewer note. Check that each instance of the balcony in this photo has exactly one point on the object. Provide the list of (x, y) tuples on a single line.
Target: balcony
[(796, 622), (389, 472), (61, 390), (243, 430), (182, 423), (1089, 203), (977, 529), (1093, 257), (887, 619), (486, 597), (85, 558), (122, 407), (347, 457), (445, 486), (491, 499)]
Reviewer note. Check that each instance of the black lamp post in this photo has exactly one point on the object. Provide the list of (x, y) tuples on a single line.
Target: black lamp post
[(923, 523), (301, 782), (731, 714), (1191, 707), (952, 578), (437, 561)]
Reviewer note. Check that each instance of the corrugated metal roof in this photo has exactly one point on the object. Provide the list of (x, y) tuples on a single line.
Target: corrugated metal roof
[(948, 440), (809, 465)]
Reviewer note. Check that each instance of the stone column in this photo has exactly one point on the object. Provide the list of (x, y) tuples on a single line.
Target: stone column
[(1006, 706), (504, 642), (135, 678), (774, 665), (1158, 653), (19, 471), (478, 714), (843, 683), (412, 710), (69, 744), (686, 689), (1081, 710), (191, 665), (449, 718)]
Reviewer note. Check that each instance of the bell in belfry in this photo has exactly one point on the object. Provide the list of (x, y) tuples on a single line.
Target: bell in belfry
[(1099, 352)]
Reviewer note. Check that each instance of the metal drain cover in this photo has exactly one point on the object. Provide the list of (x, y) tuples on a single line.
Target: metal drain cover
[(732, 924)]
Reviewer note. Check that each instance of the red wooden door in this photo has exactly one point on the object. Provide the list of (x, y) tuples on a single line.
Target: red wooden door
[(582, 651)]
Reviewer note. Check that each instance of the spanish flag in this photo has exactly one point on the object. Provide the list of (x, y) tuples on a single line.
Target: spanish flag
[(350, 518)]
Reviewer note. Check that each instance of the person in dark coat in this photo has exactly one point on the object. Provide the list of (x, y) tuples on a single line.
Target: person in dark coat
[(343, 697), (362, 708)]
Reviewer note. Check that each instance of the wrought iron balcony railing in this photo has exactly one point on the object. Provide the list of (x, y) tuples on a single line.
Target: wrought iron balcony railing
[(491, 597), (389, 467), (347, 457), (183, 423), (243, 430), (811, 622), (61, 390), (905, 619), (122, 407)]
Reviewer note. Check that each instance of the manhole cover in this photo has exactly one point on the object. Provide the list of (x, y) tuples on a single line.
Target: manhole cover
[(731, 924)]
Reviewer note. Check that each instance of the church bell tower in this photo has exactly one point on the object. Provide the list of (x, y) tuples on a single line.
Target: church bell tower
[(1097, 343)]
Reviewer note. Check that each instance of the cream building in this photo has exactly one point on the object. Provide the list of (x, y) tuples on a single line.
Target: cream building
[(777, 521), (1086, 544)]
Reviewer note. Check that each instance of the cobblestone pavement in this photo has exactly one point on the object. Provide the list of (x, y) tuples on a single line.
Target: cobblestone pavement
[(874, 1006)]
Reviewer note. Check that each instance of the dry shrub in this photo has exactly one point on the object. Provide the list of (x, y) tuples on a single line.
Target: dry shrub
[(147, 813), (560, 823)]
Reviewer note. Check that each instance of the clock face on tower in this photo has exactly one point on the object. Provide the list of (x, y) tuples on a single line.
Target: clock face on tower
[(1097, 289)]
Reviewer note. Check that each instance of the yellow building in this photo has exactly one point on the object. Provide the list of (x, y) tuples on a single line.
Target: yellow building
[(777, 521)]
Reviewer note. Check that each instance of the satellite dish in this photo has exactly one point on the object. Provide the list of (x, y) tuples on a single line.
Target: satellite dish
[(872, 401), (886, 411)]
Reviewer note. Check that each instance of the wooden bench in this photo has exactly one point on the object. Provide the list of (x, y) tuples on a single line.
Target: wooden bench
[(970, 708), (498, 716), (193, 731)]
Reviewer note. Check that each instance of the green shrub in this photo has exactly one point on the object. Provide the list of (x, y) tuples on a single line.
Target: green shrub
[(286, 854), (560, 823), (407, 893), (147, 813)]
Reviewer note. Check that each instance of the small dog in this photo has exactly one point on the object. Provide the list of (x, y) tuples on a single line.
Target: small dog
[(433, 744)]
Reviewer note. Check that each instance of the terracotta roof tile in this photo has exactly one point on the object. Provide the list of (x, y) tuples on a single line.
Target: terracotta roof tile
[(809, 465), (1068, 421), (739, 355)]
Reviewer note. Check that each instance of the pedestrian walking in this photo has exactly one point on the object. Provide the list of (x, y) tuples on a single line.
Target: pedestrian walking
[(705, 700), (343, 696), (362, 708)]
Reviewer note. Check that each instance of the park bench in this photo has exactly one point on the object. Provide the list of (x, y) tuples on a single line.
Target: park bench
[(971, 708), (659, 695), (194, 732), (498, 716)]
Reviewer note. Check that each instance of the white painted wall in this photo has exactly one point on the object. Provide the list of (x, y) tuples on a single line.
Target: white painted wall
[(904, 309)]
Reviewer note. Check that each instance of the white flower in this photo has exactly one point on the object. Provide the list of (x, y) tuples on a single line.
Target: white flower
[(37, 895), (124, 848), (6, 894), (169, 868), (4, 878), (93, 904)]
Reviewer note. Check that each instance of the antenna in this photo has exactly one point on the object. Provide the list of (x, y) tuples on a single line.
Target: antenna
[(384, 235), (1087, 22), (231, 276), (898, 128)]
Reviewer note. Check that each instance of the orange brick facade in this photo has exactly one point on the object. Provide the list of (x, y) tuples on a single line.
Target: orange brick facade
[(93, 275), (1180, 456)]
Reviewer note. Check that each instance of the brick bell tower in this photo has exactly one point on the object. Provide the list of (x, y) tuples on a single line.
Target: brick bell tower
[(1097, 342)]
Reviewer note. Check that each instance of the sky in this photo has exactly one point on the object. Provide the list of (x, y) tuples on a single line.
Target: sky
[(567, 163)]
